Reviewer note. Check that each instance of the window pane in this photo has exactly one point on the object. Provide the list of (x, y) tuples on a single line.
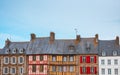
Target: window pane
[(109, 71), (109, 62), (116, 62), (91, 59), (64, 58), (13, 70), (34, 58), (53, 68), (102, 62), (84, 59), (41, 58), (33, 68), (71, 58), (92, 70), (21, 70), (116, 71), (71, 68), (53, 58), (60, 68), (64, 69), (103, 71), (21, 59), (84, 69), (41, 68)]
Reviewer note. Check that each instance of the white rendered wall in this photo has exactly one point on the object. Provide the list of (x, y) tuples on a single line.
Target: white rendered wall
[(106, 66)]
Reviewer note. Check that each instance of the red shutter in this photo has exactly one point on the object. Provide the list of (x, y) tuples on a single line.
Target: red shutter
[(88, 70), (94, 59), (95, 70), (80, 59), (88, 59), (81, 70)]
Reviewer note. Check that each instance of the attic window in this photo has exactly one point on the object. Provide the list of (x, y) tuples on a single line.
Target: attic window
[(114, 53), (71, 47), (103, 53), (14, 50), (88, 45), (8, 51), (21, 50)]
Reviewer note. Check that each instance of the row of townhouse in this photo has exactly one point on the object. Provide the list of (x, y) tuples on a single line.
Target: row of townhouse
[(50, 56)]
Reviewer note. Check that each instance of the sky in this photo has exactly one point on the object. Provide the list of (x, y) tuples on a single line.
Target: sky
[(20, 18)]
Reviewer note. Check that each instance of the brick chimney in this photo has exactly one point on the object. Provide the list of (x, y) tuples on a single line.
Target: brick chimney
[(52, 37), (33, 36), (96, 39), (7, 42), (117, 40), (77, 39)]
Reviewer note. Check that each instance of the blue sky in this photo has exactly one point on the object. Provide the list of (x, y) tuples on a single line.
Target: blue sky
[(19, 18)]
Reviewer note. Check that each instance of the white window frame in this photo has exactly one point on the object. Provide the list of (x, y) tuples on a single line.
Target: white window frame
[(12, 60), (5, 60), (115, 53), (109, 62), (21, 50), (109, 71), (103, 53), (115, 62), (103, 71), (116, 71), (14, 50), (102, 62), (12, 70), (19, 60), (4, 70)]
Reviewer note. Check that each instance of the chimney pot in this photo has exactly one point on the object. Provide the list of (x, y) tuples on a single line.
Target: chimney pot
[(52, 36), (117, 40), (33, 36)]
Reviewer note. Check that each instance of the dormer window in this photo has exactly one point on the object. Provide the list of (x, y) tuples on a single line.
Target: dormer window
[(14, 51), (71, 47), (8, 51), (114, 53), (21, 50), (88, 46), (103, 53)]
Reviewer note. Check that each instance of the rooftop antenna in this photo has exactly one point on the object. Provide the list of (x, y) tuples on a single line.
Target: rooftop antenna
[(76, 31)]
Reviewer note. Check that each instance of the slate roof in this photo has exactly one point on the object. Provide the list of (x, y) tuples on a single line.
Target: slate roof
[(108, 46), (42, 45), (60, 46), (15, 45)]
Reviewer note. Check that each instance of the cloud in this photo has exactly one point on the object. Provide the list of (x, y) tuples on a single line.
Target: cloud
[(4, 36)]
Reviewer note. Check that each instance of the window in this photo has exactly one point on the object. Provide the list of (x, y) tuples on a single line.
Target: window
[(41, 68), (13, 70), (103, 53), (60, 68), (71, 68), (102, 62), (71, 47), (7, 51), (13, 60), (53, 58), (92, 59), (84, 69), (84, 59), (6, 60), (71, 58), (88, 46), (114, 53), (41, 58), (21, 70), (109, 71), (64, 58), (21, 59), (64, 68), (34, 58), (53, 68), (92, 69), (21, 50), (116, 62), (109, 62), (14, 51), (33, 68), (5, 70), (103, 71), (116, 71)]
